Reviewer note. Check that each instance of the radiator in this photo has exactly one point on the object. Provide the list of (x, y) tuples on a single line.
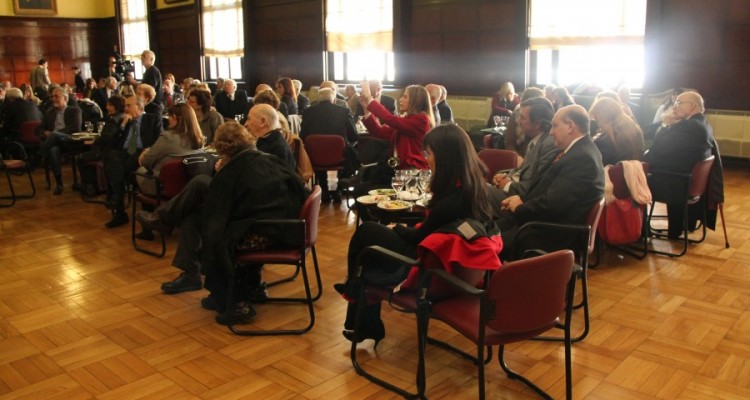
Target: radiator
[(732, 131), (470, 111)]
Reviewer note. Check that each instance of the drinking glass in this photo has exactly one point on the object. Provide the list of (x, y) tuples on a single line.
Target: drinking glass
[(238, 118), (497, 119), (425, 176), (88, 126), (397, 183), (100, 126)]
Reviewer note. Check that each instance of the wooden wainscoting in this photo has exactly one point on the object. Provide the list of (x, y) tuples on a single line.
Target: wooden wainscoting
[(82, 316)]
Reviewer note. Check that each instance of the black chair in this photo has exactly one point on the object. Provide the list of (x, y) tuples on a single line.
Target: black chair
[(679, 188), (16, 163)]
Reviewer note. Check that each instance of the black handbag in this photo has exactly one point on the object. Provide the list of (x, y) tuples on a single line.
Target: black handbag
[(199, 164)]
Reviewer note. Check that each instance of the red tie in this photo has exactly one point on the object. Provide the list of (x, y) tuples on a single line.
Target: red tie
[(169, 100)]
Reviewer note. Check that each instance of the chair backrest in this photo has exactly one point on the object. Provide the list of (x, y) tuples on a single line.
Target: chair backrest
[(309, 212), (173, 176), (699, 177), (497, 160), (28, 132), (439, 289), (530, 293), (325, 151), (592, 219)]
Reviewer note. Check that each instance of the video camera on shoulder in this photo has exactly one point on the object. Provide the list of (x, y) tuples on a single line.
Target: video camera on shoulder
[(122, 66)]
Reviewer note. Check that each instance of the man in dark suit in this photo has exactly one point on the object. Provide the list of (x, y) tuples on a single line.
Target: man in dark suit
[(16, 111), (138, 131), (100, 96), (152, 75), (564, 193), (58, 124), (170, 96), (446, 113), (376, 89), (678, 149), (535, 121), (230, 101), (326, 118)]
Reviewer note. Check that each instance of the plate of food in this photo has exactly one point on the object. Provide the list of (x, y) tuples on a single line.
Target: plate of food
[(394, 205), (406, 195), (84, 135), (372, 199), (382, 192)]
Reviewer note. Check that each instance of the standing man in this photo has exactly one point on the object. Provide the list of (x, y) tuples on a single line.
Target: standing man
[(677, 149), (80, 83), (230, 101), (327, 118), (58, 124), (534, 121), (152, 75), (445, 111), (138, 131), (564, 193), (111, 70), (39, 79)]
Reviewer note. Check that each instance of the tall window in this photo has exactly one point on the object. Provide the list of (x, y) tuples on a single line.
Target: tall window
[(588, 41), (359, 39), (134, 16), (223, 38)]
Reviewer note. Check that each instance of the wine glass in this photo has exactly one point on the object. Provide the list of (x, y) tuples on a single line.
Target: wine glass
[(100, 126), (397, 183), (238, 118), (497, 119), (425, 176), (88, 126)]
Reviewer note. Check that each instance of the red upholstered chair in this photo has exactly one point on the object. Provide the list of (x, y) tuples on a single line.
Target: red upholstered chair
[(583, 248), (172, 178), (684, 188), (497, 160), (28, 133), (15, 164), (307, 230), (326, 152), (511, 309), (406, 300)]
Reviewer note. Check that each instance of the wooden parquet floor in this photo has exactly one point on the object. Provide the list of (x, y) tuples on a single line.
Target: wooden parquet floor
[(82, 316)]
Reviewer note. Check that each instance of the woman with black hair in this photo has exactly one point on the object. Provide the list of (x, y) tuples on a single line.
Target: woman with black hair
[(459, 191)]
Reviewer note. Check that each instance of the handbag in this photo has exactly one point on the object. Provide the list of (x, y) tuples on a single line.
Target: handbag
[(621, 222), (199, 164)]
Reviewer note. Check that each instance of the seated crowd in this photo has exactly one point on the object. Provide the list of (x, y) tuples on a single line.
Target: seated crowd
[(562, 148)]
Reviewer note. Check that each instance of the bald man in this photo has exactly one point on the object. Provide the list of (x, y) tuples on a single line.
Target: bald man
[(677, 149), (564, 193), (263, 124)]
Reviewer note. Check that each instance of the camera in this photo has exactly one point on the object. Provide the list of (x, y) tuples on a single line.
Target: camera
[(122, 66)]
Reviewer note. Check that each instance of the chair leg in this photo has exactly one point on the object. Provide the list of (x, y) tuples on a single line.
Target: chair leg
[(12, 196), (723, 225), (514, 375), (134, 240), (655, 234)]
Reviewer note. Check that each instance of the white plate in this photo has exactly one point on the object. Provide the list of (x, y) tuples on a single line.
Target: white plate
[(404, 195), (372, 199), (394, 205), (421, 203), (382, 192), (82, 135)]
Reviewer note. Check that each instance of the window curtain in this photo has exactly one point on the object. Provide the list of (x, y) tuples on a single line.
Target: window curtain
[(223, 33), (555, 24), (359, 25), (134, 27)]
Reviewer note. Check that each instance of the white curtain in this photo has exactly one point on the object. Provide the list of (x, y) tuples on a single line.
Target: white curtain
[(359, 25), (223, 33), (556, 23), (134, 27)]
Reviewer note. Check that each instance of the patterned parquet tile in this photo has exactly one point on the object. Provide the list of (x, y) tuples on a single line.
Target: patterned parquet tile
[(82, 316)]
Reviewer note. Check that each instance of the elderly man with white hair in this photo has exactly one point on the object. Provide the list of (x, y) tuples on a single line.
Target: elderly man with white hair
[(302, 101), (445, 111), (231, 102), (327, 118), (152, 75), (434, 91)]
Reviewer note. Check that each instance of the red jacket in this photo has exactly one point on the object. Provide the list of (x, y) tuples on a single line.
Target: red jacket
[(405, 133)]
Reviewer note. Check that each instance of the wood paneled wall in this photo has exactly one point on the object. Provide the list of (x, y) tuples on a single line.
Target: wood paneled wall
[(703, 45), (62, 42), (175, 38)]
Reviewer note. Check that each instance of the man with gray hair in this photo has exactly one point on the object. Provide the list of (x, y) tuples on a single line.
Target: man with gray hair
[(302, 101), (445, 111), (331, 85), (231, 102), (677, 149), (58, 124), (263, 123), (152, 75), (326, 118), (39, 79)]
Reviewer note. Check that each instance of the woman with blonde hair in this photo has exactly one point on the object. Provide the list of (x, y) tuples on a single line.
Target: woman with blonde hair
[(505, 100), (619, 137), (183, 136)]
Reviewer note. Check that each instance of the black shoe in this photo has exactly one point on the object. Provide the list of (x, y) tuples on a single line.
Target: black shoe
[(376, 336), (152, 221), (241, 313), (336, 196), (145, 234), (183, 283), (118, 218), (208, 303), (259, 294)]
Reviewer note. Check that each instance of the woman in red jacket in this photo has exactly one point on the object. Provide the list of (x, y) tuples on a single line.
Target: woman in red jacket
[(405, 133)]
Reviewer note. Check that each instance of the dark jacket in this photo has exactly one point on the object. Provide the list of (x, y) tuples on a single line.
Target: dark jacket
[(15, 113), (152, 76), (326, 118), (680, 146), (72, 117), (229, 108), (274, 143), (151, 128)]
